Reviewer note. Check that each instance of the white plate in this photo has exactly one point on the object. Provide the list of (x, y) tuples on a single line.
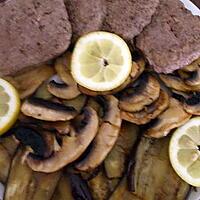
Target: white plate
[(194, 194)]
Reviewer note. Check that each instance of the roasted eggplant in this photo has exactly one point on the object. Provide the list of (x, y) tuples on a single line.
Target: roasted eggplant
[(152, 176), (115, 162), (23, 183)]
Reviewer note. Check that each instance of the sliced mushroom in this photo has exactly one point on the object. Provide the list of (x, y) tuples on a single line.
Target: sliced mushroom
[(177, 83), (149, 112), (27, 82), (142, 93), (83, 131), (137, 69), (192, 104), (106, 136), (192, 67), (41, 143), (69, 89), (47, 110), (171, 118), (78, 103)]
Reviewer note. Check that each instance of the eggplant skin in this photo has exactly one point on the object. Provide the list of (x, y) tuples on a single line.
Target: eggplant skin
[(152, 176)]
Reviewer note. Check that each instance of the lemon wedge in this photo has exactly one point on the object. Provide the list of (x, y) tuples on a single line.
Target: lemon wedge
[(9, 105), (101, 61), (184, 152)]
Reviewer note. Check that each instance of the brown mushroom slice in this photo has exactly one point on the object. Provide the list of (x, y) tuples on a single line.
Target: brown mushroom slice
[(106, 136), (177, 83), (82, 133), (194, 78), (78, 103), (149, 112), (137, 69), (192, 67), (47, 110), (142, 93), (27, 82), (192, 104), (69, 90), (171, 118)]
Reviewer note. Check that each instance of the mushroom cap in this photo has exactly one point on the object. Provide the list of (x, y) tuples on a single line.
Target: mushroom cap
[(83, 131), (106, 136), (47, 110), (143, 92), (28, 80), (177, 83), (149, 112), (171, 118)]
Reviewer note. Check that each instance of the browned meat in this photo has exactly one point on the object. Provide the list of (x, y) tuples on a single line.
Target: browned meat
[(85, 16), (128, 17), (32, 32), (172, 40)]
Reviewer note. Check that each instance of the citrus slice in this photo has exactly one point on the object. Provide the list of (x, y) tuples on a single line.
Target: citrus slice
[(184, 151), (101, 61), (9, 106)]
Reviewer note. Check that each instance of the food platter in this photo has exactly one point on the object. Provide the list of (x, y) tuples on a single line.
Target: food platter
[(110, 119)]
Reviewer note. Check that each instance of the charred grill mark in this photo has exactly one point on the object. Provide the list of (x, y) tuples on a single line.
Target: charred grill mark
[(50, 105), (194, 100)]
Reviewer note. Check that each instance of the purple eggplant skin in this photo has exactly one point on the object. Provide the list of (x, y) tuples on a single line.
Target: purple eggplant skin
[(80, 189)]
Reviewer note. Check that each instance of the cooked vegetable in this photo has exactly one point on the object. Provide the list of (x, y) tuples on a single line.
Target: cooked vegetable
[(115, 162), (63, 190), (42, 92), (141, 93), (69, 90), (177, 83), (171, 118), (101, 187), (122, 192), (149, 112), (152, 176), (107, 134), (25, 184), (78, 103), (83, 131), (27, 82), (47, 110), (8, 147)]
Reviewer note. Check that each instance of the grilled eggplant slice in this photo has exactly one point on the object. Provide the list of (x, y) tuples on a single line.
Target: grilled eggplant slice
[(43, 93), (8, 147), (23, 183), (27, 82), (141, 93), (63, 190), (47, 110), (101, 187), (171, 118), (107, 134), (149, 112), (152, 176), (115, 162), (122, 192)]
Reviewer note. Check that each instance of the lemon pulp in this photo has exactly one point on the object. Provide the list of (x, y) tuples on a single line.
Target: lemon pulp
[(9, 106)]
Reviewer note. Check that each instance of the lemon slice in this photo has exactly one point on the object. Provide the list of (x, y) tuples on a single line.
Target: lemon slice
[(9, 106), (184, 151), (101, 61)]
